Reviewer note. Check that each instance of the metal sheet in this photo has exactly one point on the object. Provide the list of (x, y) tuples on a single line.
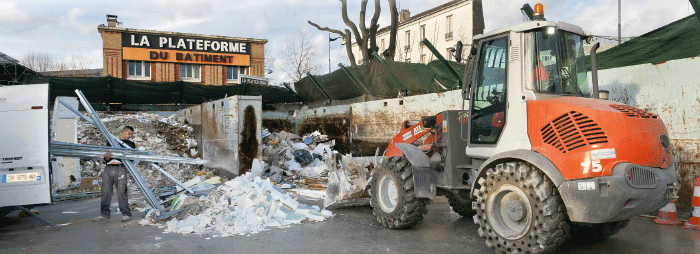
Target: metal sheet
[(671, 90)]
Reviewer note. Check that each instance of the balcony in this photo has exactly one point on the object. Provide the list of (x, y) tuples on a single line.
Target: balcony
[(448, 36)]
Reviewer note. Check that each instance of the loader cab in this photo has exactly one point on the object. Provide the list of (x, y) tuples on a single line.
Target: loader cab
[(508, 67)]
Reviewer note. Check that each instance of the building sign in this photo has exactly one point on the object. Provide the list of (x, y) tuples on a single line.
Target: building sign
[(161, 48), (254, 80)]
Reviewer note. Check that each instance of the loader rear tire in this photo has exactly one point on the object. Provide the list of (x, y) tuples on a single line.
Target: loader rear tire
[(391, 192), (519, 210), (461, 203), (596, 232)]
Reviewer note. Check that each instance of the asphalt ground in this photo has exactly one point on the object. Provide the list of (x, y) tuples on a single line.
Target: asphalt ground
[(353, 230)]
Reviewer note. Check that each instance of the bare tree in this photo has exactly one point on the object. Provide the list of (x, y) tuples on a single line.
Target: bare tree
[(365, 37), (299, 57), (269, 61), (76, 65), (38, 61)]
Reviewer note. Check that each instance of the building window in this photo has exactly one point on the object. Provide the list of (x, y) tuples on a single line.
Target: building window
[(422, 34), (232, 72), (422, 58), (448, 54), (448, 28), (138, 69), (189, 71), (383, 48), (408, 40)]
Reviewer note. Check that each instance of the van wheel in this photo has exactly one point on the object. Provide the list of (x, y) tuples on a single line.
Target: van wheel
[(518, 209), (391, 193)]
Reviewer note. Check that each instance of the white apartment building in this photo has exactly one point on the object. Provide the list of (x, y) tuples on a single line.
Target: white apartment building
[(443, 26)]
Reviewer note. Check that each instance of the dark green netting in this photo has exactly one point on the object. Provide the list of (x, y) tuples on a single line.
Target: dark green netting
[(678, 40), (115, 90), (380, 80)]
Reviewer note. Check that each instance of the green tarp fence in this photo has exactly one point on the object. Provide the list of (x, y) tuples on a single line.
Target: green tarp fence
[(381, 82), (678, 40), (115, 90)]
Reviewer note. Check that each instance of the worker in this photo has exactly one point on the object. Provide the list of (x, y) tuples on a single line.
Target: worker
[(115, 175)]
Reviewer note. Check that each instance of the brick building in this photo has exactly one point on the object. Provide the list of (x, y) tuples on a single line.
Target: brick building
[(158, 56)]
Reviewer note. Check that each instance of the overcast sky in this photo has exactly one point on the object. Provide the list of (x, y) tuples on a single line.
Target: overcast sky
[(67, 28)]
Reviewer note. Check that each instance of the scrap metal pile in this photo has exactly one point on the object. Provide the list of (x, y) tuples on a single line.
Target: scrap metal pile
[(158, 134)]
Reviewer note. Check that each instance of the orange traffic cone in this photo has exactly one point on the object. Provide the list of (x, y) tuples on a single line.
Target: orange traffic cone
[(668, 215), (694, 221)]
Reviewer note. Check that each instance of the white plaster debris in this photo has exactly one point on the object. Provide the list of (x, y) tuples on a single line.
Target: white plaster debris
[(244, 205)]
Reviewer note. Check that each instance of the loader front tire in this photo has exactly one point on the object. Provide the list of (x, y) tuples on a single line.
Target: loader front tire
[(391, 192), (519, 210), (461, 203), (596, 232)]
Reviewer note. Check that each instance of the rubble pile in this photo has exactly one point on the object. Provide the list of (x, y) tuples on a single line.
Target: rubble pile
[(288, 157), (241, 206), (157, 134)]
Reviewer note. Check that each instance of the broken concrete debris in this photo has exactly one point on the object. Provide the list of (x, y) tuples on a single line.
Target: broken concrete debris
[(240, 206)]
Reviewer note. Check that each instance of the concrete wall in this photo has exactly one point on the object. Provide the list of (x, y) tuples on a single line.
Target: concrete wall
[(360, 128), (671, 90), (228, 131)]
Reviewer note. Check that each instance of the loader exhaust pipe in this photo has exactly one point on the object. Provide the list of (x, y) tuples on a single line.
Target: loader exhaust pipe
[(594, 71)]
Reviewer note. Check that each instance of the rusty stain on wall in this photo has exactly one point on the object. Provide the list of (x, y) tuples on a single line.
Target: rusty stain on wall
[(277, 125), (248, 148)]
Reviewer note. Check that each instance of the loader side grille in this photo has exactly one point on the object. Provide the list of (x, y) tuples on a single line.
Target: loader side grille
[(643, 178), (571, 131), (634, 112)]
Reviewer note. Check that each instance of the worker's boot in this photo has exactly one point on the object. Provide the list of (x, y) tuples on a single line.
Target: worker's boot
[(125, 218), (100, 218)]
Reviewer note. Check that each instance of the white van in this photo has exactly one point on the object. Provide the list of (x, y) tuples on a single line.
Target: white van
[(24, 146)]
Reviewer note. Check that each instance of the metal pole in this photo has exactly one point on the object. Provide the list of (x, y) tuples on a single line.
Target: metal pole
[(313, 80), (113, 141), (619, 22), (443, 61), (329, 52), (386, 68), (352, 78), (696, 7)]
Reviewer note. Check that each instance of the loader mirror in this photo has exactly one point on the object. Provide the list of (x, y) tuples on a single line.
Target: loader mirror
[(458, 51), (428, 122)]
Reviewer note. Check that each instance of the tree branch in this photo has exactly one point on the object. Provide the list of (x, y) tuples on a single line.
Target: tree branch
[(326, 29)]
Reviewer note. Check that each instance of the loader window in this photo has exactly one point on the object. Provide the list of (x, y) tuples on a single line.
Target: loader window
[(559, 64), (489, 100)]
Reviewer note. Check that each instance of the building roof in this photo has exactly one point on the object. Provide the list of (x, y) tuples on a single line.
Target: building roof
[(101, 28), (5, 59), (74, 73)]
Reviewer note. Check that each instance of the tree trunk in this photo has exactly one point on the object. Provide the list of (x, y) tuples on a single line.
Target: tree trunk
[(390, 52)]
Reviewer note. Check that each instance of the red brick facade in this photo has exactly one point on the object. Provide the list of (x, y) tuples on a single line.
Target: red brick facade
[(115, 65)]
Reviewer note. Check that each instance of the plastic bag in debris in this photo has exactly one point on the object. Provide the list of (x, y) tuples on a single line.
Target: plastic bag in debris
[(257, 168), (313, 171), (322, 149), (292, 165), (345, 184), (299, 146), (303, 156), (283, 135)]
